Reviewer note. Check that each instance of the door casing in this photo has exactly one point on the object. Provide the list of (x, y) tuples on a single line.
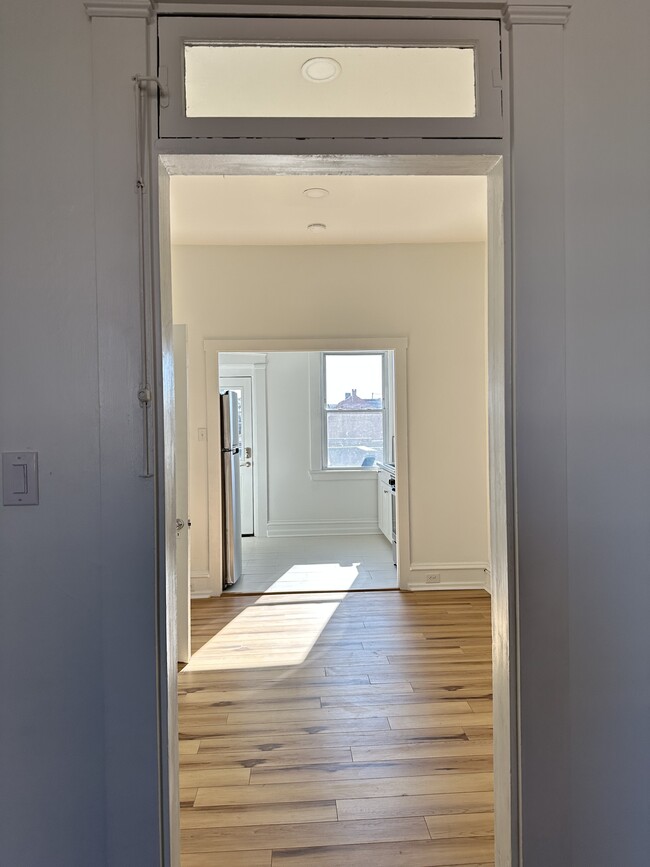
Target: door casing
[(499, 406), (182, 460), (393, 155)]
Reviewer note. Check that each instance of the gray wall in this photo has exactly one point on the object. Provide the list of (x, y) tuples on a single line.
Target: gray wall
[(52, 753), (608, 423), (77, 748)]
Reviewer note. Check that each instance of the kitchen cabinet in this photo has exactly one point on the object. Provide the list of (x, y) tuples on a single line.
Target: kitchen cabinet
[(385, 504)]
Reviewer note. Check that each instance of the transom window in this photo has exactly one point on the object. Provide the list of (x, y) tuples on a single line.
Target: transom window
[(310, 77), (228, 80)]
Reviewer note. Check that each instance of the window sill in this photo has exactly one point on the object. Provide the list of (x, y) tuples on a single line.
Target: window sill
[(343, 475)]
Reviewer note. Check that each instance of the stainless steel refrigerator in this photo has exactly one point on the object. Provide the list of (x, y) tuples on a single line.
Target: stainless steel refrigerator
[(231, 501)]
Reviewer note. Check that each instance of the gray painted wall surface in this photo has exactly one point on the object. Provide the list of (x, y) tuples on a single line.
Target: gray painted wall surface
[(52, 752), (608, 422), (60, 624)]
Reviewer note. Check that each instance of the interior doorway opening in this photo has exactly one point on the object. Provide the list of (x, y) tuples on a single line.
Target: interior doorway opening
[(495, 314), (316, 417), (396, 254)]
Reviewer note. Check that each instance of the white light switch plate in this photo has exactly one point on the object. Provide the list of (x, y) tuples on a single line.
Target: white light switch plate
[(20, 478)]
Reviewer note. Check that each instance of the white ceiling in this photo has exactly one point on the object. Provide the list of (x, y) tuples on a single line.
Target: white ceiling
[(272, 210)]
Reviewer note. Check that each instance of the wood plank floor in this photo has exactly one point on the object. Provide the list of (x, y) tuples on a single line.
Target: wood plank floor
[(323, 730)]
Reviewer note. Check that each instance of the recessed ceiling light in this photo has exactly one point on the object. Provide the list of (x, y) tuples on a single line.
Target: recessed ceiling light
[(321, 69), (316, 227), (316, 193)]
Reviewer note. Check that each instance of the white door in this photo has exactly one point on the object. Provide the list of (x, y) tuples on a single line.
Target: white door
[(182, 495), (243, 387)]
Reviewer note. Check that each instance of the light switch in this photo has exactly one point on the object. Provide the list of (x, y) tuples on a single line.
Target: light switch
[(20, 478)]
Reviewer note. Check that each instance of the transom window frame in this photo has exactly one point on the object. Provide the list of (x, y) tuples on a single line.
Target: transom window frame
[(319, 469), (483, 35)]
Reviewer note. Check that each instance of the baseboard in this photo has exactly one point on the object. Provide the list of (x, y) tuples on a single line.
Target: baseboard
[(200, 585), (322, 528), (452, 576)]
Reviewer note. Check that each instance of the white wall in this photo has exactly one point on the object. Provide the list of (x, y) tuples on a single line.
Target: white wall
[(432, 294), (294, 498)]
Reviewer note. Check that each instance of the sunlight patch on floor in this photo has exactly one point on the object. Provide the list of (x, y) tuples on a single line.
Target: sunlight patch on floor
[(276, 634), (316, 576)]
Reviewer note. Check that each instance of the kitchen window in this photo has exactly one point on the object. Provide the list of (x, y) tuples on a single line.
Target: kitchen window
[(351, 424)]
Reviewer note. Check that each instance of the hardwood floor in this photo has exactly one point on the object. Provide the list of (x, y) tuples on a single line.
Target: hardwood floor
[(323, 730)]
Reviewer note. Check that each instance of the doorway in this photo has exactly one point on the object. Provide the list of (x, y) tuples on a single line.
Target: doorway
[(331, 552), (323, 417), (276, 344)]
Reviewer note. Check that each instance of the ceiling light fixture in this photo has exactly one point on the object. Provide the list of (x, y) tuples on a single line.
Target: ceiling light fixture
[(316, 193), (316, 227), (320, 69)]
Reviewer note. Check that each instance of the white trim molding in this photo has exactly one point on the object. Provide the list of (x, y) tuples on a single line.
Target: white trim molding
[(519, 13), (323, 528), (318, 472), (200, 586), (369, 475), (341, 8), (435, 161), (120, 8), (450, 576)]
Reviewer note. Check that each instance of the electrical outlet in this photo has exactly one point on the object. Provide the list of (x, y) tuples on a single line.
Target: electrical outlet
[(432, 578)]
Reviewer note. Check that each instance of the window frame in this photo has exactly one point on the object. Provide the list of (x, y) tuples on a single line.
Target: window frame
[(483, 35), (318, 393)]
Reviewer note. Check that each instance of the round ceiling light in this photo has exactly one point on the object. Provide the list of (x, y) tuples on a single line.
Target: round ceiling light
[(321, 69), (316, 227), (316, 192)]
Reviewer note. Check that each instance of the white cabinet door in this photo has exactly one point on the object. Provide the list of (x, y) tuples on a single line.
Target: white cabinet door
[(384, 508)]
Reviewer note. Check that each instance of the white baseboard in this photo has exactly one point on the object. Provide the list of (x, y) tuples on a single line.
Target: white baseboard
[(200, 585), (453, 576), (322, 528)]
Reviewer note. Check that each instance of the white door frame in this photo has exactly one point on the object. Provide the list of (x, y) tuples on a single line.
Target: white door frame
[(182, 461), (254, 364), (213, 348), (499, 408)]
